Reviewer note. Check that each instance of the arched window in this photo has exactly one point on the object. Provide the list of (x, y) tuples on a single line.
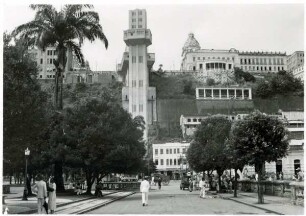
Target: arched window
[(279, 166)]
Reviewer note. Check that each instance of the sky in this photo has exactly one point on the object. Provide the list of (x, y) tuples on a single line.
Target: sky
[(246, 27)]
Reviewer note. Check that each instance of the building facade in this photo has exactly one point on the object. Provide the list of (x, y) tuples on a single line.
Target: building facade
[(211, 61), (45, 62), (137, 96), (170, 158), (299, 72), (224, 93), (295, 60)]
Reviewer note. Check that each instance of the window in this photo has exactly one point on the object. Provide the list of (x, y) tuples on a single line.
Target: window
[(54, 52), (133, 83), (139, 26), (156, 151), (41, 61), (133, 59), (167, 151), (140, 12), (140, 83), (170, 151), (297, 165), (170, 162), (174, 151), (188, 120), (184, 150), (167, 162), (161, 151), (201, 66), (198, 58), (133, 20), (140, 59), (174, 161), (133, 13), (178, 150), (40, 76), (161, 161), (140, 108), (194, 58), (134, 108), (133, 26), (194, 120), (229, 66), (156, 162), (140, 19)]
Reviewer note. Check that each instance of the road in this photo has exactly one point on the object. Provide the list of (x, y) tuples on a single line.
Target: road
[(171, 200)]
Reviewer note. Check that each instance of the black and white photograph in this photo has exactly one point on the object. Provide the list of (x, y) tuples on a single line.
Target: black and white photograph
[(145, 108)]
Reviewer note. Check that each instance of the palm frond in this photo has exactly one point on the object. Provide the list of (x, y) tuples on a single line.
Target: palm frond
[(77, 50)]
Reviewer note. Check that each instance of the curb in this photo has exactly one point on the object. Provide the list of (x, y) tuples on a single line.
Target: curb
[(104, 204), (32, 211)]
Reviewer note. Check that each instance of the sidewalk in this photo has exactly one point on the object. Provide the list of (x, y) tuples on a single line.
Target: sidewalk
[(274, 204), (16, 205)]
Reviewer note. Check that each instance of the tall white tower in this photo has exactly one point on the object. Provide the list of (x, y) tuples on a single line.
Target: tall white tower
[(137, 97)]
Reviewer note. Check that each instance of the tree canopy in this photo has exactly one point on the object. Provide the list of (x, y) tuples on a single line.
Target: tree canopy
[(103, 139), (208, 151)]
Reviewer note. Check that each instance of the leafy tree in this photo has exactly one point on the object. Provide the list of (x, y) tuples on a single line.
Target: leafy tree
[(188, 89), (207, 152), (263, 90), (249, 77), (23, 106), (103, 139), (66, 30), (241, 76), (259, 139)]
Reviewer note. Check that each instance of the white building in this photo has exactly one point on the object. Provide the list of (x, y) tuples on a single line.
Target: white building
[(212, 61), (137, 97), (170, 158), (299, 72), (224, 93)]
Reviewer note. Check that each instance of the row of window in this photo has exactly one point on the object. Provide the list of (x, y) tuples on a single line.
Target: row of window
[(134, 13), (134, 83), (51, 52), (262, 61), (139, 20), (169, 151), (170, 162), (140, 59), (134, 26), (49, 61), (265, 68), (223, 58), (134, 107)]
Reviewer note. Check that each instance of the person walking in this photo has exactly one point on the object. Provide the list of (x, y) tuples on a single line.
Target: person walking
[(41, 188), (202, 188), (52, 196), (159, 182), (144, 189)]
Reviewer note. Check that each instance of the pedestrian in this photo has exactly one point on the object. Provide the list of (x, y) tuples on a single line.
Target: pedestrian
[(152, 182), (41, 189), (52, 196), (159, 182), (144, 189), (190, 185), (202, 188)]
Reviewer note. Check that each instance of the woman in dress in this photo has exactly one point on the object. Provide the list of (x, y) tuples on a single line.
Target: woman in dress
[(52, 196)]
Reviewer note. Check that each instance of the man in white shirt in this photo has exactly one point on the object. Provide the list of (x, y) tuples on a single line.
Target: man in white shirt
[(41, 188), (144, 189), (202, 188)]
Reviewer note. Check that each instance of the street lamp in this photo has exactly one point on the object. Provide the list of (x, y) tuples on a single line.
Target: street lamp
[(25, 191)]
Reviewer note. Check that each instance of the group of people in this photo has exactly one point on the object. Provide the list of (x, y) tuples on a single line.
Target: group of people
[(45, 191)]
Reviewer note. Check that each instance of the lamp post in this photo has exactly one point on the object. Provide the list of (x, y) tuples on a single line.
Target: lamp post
[(25, 191)]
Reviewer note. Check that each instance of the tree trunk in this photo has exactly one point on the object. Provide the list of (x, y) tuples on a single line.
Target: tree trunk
[(89, 183), (219, 182), (61, 91), (29, 178), (235, 184), (58, 176), (259, 185)]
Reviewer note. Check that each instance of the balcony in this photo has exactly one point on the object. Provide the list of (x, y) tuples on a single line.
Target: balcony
[(137, 36)]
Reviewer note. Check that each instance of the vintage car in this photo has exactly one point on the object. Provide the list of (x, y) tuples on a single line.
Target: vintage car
[(184, 182)]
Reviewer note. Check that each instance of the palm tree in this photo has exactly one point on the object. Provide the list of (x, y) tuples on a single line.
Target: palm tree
[(66, 30)]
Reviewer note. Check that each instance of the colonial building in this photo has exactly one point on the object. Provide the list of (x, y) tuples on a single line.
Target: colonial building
[(224, 93), (214, 63), (299, 72), (137, 97), (170, 158), (295, 60)]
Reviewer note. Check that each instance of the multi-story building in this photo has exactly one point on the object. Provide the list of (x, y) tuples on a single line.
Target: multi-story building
[(170, 158), (215, 63), (45, 61), (137, 97), (295, 60)]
